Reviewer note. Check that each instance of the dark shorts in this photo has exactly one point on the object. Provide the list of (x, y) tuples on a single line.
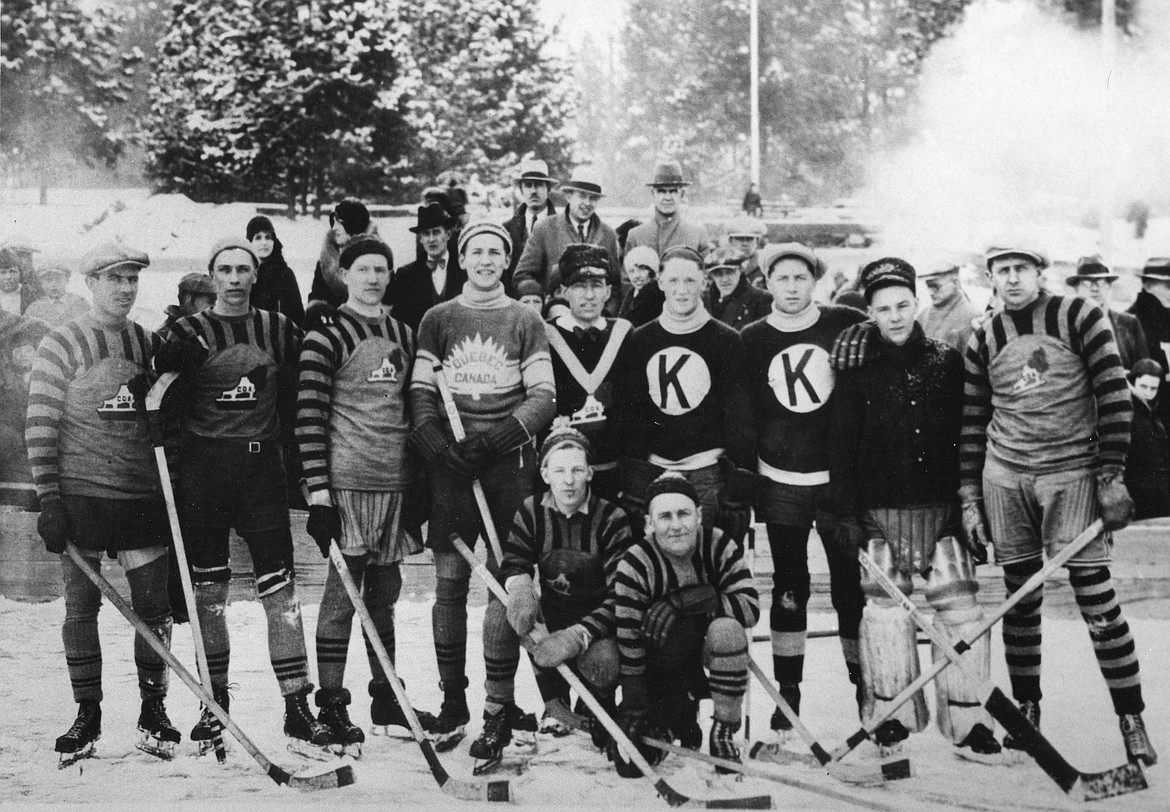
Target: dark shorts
[(233, 484), (113, 525), (507, 481), (795, 505)]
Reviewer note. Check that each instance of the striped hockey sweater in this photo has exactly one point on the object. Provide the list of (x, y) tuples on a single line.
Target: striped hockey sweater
[(1044, 391), (85, 428), (645, 576)]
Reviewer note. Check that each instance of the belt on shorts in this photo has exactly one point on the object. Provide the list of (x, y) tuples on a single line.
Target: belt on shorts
[(251, 446)]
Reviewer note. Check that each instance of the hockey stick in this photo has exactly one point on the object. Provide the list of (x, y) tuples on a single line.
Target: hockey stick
[(750, 538), (476, 488), (463, 790), (849, 774), (668, 793), (154, 399), (579, 722), (1090, 786), (1054, 563), (340, 776)]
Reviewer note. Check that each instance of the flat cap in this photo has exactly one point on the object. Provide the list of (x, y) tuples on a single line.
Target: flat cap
[(197, 283), (110, 255), (772, 254), (1027, 253)]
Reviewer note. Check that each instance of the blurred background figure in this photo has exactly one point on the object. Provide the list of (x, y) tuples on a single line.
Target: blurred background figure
[(1094, 280), (21, 250), (276, 286), (196, 294), (57, 305), (1147, 469), (951, 314), (19, 337), (746, 236), (530, 293), (753, 204), (642, 303), (729, 297)]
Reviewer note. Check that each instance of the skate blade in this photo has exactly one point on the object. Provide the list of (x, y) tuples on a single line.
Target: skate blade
[(486, 765), (317, 752), (391, 731), (776, 753), (448, 741), (154, 746), (523, 744), (991, 759), (353, 750), (69, 759)]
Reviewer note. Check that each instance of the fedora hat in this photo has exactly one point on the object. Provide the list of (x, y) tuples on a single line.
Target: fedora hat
[(668, 173), (1092, 267), (1156, 268), (534, 169), (584, 179), (432, 215)]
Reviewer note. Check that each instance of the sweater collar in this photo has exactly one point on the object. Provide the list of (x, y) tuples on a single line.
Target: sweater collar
[(796, 322), (478, 299), (691, 324)]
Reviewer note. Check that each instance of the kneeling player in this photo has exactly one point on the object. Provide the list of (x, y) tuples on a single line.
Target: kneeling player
[(684, 601), (352, 421), (895, 478), (571, 539)]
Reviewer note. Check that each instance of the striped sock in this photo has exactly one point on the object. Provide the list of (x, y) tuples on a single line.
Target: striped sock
[(211, 600), (1021, 632), (449, 626), (383, 586), (286, 638), (501, 653), (335, 622), (727, 655), (1112, 641)]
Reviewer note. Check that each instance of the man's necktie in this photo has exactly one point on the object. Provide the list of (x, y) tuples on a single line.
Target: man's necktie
[(586, 333)]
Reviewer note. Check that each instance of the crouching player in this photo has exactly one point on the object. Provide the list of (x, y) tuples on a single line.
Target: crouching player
[(570, 540), (683, 602), (895, 477), (352, 422)]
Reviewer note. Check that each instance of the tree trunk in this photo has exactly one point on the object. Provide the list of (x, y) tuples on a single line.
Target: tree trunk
[(44, 178)]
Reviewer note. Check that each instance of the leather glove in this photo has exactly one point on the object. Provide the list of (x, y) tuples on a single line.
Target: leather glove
[(139, 385), (466, 458), (697, 599), (429, 441), (561, 646), (851, 346), (183, 356), (739, 492), (319, 313), (849, 535), (506, 435), (54, 524), (632, 718), (975, 536), (324, 526), (1113, 498), (523, 608)]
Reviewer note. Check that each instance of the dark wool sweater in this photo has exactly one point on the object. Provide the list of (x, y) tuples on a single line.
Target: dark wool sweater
[(895, 437)]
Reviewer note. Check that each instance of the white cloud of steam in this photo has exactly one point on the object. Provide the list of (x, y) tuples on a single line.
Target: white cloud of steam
[(1018, 126)]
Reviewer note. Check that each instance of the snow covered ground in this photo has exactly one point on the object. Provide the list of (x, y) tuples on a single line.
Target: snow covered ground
[(566, 774)]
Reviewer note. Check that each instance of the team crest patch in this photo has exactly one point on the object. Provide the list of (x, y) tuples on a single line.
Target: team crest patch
[(560, 584), (388, 371), (679, 380), (1032, 375), (801, 377), (242, 396), (478, 366), (122, 406)]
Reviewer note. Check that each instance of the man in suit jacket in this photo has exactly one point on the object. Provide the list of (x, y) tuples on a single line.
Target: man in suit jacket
[(669, 227), (534, 184), (730, 298), (1094, 280), (434, 278)]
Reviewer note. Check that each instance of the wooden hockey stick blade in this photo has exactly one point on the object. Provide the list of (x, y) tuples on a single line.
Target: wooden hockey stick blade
[(668, 793), (850, 774), (339, 776), (1089, 786), (815, 634), (463, 790), (1037, 578), (158, 391)]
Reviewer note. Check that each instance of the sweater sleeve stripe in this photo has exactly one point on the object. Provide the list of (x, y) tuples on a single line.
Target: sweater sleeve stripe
[(611, 531), (734, 581), (1108, 384), (976, 408), (522, 548), (317, 365), (46, 405), (631, 595)]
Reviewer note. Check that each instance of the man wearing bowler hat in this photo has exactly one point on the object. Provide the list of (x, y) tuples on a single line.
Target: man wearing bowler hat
[(435, 277), (1094, 280), (578, 224), (668, 227), (951, 314), (1152, 309), (534, 184)]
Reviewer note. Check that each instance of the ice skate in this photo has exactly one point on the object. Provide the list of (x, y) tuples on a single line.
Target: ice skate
[(451, 726), (78, 742), (890, 737), (722, 743), (306, 735), (387, 716), (488, 749), (524, 727), (781, 725), (551, 725), (334, 716), (159, 736), (203, 734), (980, 745), (1137, 741), (1014, 750)]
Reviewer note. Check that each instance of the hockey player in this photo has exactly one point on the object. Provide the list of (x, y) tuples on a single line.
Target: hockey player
[(494, 355), (791, 385), (352, 422), (571, 540), (686, 402), (684, 605), (589, 356), (92, 463), (238, 362), (1046, 416), (895, 479)]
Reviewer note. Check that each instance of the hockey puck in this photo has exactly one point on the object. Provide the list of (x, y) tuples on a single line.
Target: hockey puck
[(895, 770), (498, 791)]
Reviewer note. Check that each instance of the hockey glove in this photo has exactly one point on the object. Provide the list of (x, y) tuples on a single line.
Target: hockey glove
[(632, 719), (429, 441), (523, 607), (467, 458), (975, 536), (561, 646), (697, 599), (506, 435), (851, 346), (319, 313), (740, 491), (324, 526), (1116, 504), (54, 524), (183, 356), (848, 535)]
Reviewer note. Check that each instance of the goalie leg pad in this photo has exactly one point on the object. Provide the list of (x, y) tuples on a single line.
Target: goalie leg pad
[(889, 662)]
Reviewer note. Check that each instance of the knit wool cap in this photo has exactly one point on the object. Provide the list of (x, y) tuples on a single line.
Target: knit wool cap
[(260, 223), (110, 255), (476, 227), (564, 436), (360, 247), (353, 215), (772, 254), (671, 482), (528, 287), (197, 283), (582, 261), (887, 272), (228, 243)]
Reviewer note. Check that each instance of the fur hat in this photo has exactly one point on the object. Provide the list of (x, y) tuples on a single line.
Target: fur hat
[(477, 227), (227, 244), (671, 482), (111, 255), (564, 436), (360, 247), (583, 261), (887, 272), (352, 214)]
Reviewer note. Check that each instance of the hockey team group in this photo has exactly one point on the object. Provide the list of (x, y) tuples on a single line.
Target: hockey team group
[(611, 472)]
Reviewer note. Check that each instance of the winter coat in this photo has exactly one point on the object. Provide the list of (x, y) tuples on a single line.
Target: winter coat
[(644, 306), (549, 240), (1147, 468), (276, 286), (412, 293), (517, 228), (1155, 322), (895, 436), (662, 233), (952, 323), (746, 304), (1131, 340)]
